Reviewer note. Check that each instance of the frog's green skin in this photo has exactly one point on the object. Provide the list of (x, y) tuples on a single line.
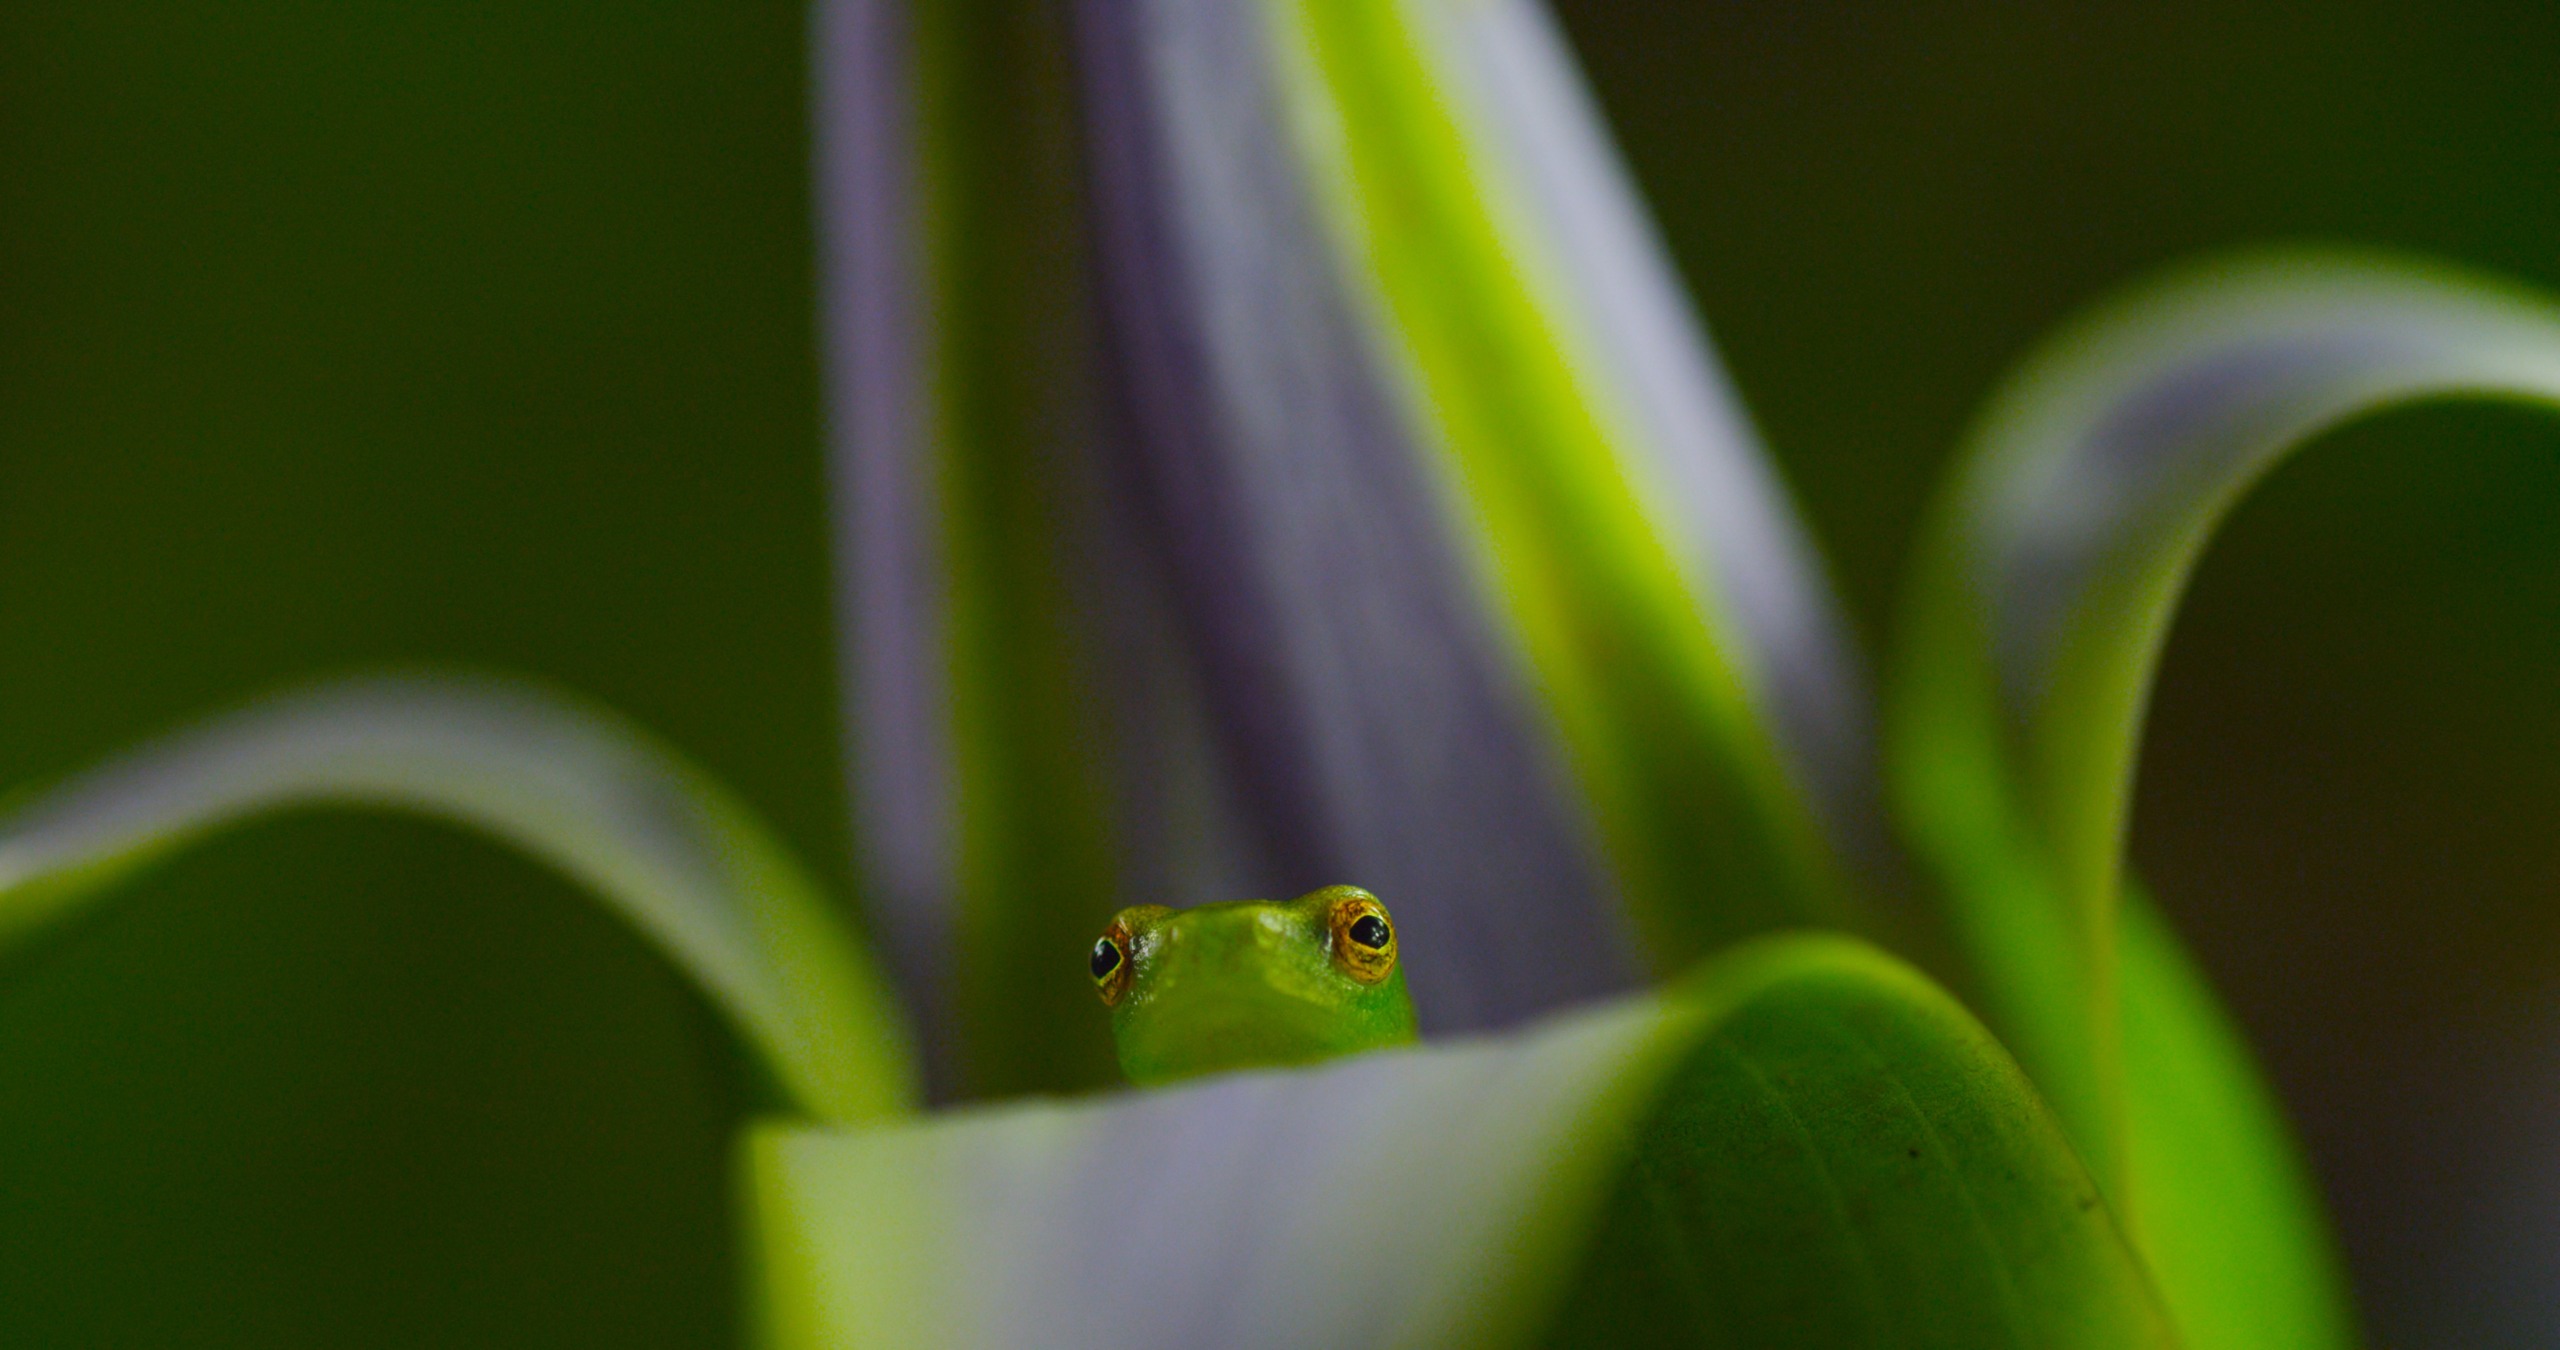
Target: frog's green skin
[(1247, 984)]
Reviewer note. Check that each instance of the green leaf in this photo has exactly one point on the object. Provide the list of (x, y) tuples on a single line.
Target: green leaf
[(2042, 594), (650, 836), (2230, 1221), (1805, 1144), (1648, 624)]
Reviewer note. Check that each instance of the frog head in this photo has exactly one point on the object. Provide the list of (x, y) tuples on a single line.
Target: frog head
[(1251, 983)]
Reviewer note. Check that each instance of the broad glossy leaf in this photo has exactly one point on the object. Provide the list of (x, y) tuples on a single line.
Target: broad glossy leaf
[(1803, 1145), (1619, 514), (2042, 596), (650, 836)]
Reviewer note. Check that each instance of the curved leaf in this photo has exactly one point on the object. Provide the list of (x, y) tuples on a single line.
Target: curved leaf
[(2230, 1222), (649, 835), (1804, 1145), (2040, 601)]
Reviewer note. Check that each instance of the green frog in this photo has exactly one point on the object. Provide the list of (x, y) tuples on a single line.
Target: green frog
[(1251, 983)]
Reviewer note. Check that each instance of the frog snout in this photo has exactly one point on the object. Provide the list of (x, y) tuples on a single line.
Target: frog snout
[(1248, 954)]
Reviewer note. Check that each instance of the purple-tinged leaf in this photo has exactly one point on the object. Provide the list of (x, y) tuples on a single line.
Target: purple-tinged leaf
[(1025, 729), (1377, 727), (1565, 473), (1714, 495), (878, 333)]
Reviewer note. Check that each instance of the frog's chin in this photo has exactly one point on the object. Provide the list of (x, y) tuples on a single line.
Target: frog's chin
[(1231, 1033)]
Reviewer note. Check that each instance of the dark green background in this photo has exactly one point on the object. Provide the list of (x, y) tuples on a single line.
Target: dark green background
[(337, 334)]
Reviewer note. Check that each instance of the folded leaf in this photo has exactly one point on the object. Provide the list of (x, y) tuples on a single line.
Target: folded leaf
[(2040, 603), (1803, 1145), (647, 834)]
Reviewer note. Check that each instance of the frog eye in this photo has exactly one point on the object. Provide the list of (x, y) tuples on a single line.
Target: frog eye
[(1364, 938), (1110, 965)]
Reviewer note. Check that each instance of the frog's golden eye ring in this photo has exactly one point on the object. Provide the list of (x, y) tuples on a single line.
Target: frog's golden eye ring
[(1364, 938), (1110, 965)]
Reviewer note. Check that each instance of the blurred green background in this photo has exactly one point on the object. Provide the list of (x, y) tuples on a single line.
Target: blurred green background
[(334, 335), (339, 334)]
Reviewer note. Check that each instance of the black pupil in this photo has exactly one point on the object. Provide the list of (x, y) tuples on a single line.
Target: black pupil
[(1369, 931), (1106, 958)]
